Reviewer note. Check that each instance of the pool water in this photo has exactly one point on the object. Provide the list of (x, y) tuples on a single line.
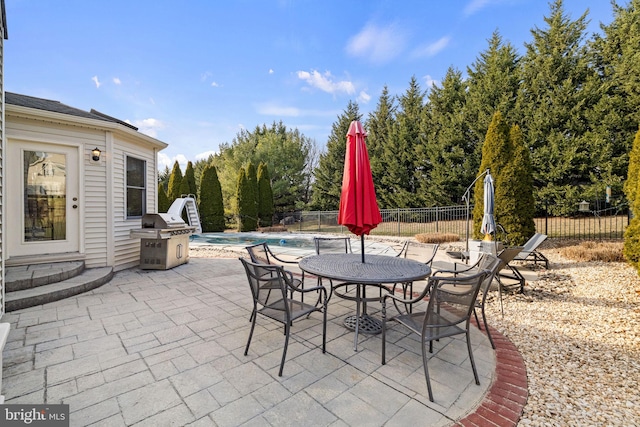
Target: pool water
[(298, 243), (246, 239)]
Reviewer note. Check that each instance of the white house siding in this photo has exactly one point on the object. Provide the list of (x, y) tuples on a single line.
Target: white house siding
[(126, 249), (2, 143), (92, 186), (96, 208)]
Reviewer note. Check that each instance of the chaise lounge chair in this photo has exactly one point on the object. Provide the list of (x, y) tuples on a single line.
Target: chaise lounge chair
[(530, 253)]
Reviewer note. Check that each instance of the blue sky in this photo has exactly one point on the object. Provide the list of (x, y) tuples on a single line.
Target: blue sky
[(193, 73)]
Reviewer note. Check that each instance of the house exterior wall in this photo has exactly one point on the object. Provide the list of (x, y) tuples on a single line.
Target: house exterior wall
[(2, 144), (127, 250), (104, 227)]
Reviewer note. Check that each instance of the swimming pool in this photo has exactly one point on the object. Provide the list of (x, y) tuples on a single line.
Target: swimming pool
[(288, 240), (298, 244)]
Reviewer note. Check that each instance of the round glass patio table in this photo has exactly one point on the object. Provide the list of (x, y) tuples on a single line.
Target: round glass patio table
[(376, 271)]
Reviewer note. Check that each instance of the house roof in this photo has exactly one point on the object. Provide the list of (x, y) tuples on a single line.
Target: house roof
[(58, 107)]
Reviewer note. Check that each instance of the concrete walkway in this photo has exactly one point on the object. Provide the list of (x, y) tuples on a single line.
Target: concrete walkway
[(162, 348)]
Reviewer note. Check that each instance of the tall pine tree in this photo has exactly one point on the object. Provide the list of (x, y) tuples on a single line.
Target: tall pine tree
[(210, 203), (448, 156), (400, 183), (175, 179), (265, 197), (328, 174), (554, 98), (379, 125)]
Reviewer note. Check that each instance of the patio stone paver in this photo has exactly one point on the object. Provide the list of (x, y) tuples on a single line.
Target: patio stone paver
[(167, 348)]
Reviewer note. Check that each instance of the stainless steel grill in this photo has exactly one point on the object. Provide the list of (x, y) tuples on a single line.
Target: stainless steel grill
[(164, 241)]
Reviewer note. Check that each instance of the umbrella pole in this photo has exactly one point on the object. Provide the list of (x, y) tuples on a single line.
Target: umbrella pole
[(362, 246)]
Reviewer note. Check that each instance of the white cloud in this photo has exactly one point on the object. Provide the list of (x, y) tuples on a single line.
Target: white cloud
[(429, 81), (271, 71), (204, 76), (148, 126), (475, 5), (96, 81), (377, 44), (364, 97), (273, 109), (215, 84), (432, 48), (117, 81), (165, 160), (205, 155), (325, 82)]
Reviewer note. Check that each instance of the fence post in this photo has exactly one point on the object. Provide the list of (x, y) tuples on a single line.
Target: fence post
[(398, 211), (437, 220), (546, 218), (319, 229)]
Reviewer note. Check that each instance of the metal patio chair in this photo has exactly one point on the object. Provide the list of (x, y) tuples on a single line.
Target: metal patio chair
[(424, 253), (271, 289), (331, 245), (448, 313)]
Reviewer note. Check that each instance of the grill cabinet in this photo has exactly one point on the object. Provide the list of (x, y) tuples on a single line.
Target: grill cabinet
[(164, 241)]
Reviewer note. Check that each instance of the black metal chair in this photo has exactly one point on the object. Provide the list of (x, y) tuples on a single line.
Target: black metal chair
[(493, 265), (423, 252), (448, 313), (331, 245), (271, 289)]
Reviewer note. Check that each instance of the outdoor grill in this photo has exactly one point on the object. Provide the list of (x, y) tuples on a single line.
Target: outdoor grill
[(164, 241)]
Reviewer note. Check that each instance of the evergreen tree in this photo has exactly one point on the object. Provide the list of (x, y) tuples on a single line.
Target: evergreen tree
[(252, 183), (163, 200), (189, 176), (401, 182), (614, 121), (287, 154), (631, 248), (448, 156), (328, 174), (631, 184), (493, 84), (184, 187), (555, 95), (379, 125), (175, 179), (265, 197), (514, 203), (210, 203), (163, 177), (246, 202), (496, 151)]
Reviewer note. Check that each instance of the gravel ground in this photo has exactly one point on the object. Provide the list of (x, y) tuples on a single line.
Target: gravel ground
[(578, 329)]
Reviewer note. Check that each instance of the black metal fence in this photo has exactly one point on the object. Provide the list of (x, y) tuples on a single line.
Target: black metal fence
[(607, 223)]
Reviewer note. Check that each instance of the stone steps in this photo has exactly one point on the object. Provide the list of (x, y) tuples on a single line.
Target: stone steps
[(37, 284)]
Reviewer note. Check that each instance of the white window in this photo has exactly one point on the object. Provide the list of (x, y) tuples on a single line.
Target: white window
[(136, 187)]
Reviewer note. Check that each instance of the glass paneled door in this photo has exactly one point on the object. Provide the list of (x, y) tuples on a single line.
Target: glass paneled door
[(44, 202)]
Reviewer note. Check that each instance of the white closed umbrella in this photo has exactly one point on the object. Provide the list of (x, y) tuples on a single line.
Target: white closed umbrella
[(488, 219)]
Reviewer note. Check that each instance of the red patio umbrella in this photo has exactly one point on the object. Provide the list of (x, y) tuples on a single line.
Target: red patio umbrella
[(359, 210)]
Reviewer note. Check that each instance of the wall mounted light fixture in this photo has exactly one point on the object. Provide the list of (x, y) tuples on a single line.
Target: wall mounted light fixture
[(95, 154)]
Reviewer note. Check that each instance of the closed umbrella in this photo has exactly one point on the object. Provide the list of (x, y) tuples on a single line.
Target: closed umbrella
[(488, 220), (359, 210)]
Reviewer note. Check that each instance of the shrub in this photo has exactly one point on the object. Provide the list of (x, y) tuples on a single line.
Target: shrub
[(594, 251), (437, 237)]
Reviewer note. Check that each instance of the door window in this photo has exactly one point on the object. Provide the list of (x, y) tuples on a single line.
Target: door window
[(45, 196)]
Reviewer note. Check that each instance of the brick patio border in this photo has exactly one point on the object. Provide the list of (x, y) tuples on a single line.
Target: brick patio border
[(504, 402)]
